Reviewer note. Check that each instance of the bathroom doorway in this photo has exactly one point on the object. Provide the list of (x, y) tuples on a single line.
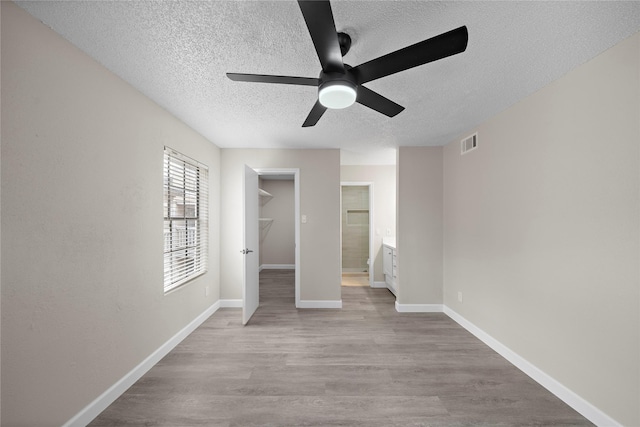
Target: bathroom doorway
[(356, 204)]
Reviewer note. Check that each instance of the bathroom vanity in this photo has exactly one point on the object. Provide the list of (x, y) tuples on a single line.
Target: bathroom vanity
[(389, 263)]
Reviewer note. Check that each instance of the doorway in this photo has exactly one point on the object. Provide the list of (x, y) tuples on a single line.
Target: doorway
[(277, 240), (280, 222), (255, 226), (356, 204)]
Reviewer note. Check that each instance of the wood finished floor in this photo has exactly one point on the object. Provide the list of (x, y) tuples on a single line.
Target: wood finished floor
[(364, 365)]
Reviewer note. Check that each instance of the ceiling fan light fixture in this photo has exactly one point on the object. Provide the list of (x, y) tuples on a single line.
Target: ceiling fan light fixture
[(339, 84), (337, 95)]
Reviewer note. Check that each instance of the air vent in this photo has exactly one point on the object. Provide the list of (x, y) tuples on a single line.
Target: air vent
[(469, 143)]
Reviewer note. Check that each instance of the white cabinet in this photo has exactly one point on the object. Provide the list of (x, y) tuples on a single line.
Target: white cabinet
[(387, 261), (389, 267)]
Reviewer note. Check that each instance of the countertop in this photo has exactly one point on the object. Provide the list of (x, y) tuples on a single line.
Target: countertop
[(389, 241)]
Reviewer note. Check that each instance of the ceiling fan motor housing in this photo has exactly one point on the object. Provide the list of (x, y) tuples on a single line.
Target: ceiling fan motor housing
[(344, 40), (337, 90)]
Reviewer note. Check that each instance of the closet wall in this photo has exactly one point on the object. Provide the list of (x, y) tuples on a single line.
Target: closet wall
[(277, 228)]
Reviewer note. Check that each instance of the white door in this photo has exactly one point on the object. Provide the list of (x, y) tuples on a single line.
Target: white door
[(250, 294)]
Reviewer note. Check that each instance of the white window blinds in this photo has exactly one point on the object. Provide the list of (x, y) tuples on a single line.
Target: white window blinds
[(186, 219)]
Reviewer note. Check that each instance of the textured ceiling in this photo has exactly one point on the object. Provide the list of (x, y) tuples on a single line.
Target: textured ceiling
[(177, 53)]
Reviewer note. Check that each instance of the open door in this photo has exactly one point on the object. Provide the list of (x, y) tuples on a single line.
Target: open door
[(250, 289)]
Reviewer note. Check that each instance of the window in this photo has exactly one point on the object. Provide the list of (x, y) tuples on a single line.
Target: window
[(185, 219)]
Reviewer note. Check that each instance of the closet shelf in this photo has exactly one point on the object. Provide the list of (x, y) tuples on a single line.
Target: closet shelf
[(263, 193), (265, 223)]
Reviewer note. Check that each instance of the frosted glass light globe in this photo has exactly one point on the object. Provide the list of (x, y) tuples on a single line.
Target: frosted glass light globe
[(337, 96)]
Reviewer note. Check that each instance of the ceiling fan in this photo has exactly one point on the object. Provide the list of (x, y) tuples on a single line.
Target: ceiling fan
[(340, 85)]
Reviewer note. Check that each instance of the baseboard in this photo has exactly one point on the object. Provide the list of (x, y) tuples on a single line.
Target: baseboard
[(418, 308), (392, 288), (230, 303), (277, 267), (320, 304), (581, 406), (92, 410)]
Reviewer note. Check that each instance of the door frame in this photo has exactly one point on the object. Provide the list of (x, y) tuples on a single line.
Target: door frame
[(368, 184), (295, 172)]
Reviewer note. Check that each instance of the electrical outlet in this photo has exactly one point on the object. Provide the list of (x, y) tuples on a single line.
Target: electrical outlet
[(304, 219), (206, 291), (460, 296)]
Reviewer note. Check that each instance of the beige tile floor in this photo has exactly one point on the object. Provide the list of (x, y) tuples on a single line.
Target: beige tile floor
[(355, 279)]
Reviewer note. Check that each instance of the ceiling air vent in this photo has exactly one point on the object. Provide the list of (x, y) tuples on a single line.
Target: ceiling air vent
[(469, 143)]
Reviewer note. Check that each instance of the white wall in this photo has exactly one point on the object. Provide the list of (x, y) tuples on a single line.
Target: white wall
[(542, 226), (383, 178), (419, 225), (277, 238), (82, 274), (319, 201)]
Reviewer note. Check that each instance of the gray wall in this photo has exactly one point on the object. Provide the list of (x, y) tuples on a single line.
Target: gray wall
[(383, 178), (82, 274), (542, 227), (319, 201), (277, 238), (419, 225)]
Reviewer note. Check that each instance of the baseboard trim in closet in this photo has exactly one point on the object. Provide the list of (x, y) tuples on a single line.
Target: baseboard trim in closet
[(320, 304), (379, 285), (93, 409), (277, 267)]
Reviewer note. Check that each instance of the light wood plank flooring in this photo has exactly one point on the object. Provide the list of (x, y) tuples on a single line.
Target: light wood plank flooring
[(364, 365)]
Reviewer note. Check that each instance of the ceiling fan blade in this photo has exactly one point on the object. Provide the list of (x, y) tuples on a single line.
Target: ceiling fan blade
[(438, 47), (377, 102), (322, 28), (316, 112), (261, 78)]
